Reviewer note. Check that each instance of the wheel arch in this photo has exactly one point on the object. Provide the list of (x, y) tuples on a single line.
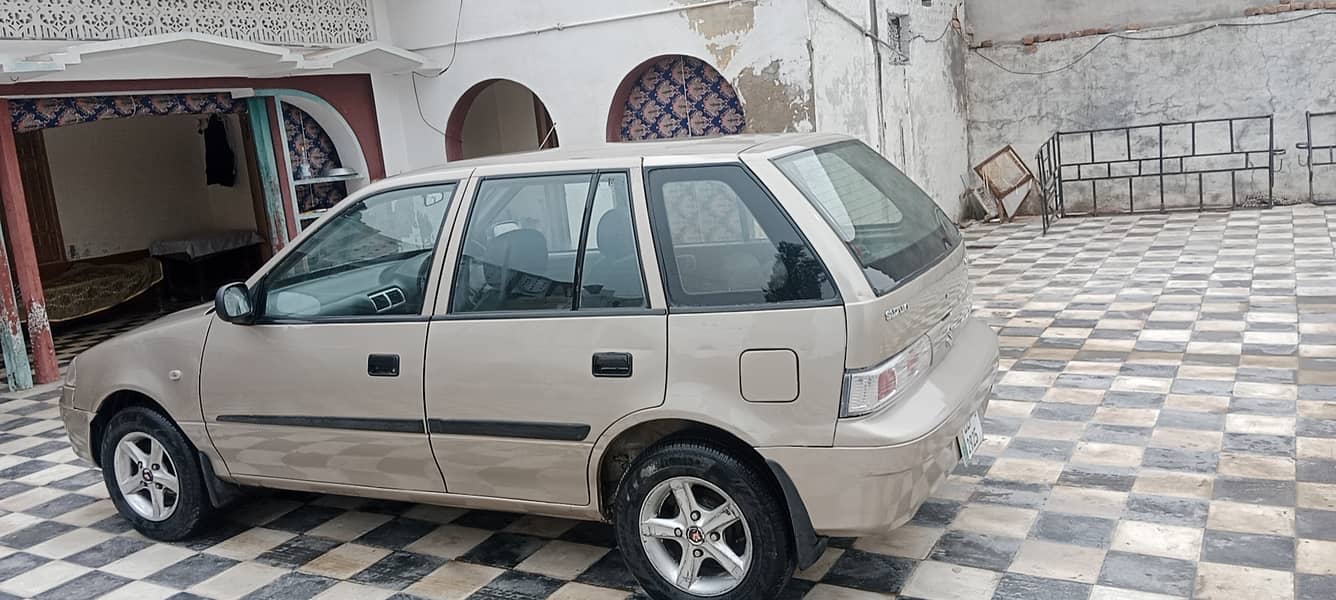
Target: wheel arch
[(112, 405), (620, 451)]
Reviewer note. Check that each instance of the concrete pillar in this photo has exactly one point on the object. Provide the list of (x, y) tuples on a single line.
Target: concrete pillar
[(24, 253), (18, 371)]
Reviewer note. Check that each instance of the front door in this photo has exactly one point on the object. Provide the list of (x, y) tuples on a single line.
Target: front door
[(546, 337), (326, 385)]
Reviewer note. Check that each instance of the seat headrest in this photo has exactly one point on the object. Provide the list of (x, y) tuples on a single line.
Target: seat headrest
[(615, 236), (519, 250)]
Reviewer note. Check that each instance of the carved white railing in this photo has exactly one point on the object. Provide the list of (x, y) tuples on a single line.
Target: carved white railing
[(282, 22)]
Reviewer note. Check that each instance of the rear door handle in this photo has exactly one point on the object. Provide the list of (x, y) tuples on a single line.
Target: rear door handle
[(612, 364), (382, 365)]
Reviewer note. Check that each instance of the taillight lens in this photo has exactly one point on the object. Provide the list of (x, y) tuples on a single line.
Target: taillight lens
[(871, 390)]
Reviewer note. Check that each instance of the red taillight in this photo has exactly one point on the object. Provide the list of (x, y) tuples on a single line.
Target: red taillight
[(870, 390)]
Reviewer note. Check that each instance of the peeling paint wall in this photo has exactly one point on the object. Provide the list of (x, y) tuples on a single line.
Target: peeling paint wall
[(1285, 69), (917, 118), (723, 25), (772, 103), (759, 45)]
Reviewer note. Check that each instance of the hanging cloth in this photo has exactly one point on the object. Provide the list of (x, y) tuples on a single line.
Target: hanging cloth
[(220, 164)]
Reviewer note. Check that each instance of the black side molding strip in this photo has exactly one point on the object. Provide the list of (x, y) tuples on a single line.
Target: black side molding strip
[(565, 432), (353, 423)]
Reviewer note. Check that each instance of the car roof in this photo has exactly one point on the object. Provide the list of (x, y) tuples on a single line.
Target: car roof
[(683, 148)]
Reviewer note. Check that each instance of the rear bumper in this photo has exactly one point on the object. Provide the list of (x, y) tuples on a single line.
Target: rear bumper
[(884, 466), (78, 425)]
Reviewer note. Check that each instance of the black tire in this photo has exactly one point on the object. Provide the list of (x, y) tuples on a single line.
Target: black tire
[(193, 509), (772, 562)]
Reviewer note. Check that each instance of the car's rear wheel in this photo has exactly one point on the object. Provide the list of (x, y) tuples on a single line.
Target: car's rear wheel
[(695, 522), (152, 473)]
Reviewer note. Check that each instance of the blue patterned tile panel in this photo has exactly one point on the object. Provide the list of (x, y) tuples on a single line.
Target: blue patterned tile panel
[(680, 96)]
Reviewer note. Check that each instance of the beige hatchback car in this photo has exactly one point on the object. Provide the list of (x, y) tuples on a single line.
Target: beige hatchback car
[(730, 348)]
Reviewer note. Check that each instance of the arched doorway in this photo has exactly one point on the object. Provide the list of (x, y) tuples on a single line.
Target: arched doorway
[(674, 96), (498, 116)]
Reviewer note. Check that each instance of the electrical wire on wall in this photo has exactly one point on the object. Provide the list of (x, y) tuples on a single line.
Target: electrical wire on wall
[(899, 51), (1146, 38), (454, 51)]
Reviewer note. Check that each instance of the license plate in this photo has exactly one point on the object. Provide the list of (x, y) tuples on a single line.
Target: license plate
[(970, 438)]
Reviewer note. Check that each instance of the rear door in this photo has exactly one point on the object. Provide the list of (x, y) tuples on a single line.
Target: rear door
[(756, 323), (545, 333)]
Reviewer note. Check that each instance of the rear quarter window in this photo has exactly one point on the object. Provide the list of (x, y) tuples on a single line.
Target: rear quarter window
[(724, 241)]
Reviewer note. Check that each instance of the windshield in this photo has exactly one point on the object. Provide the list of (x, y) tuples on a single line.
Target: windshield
[(892, 227)]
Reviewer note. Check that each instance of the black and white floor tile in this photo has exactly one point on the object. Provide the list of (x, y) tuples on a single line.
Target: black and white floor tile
[(1164, 426)]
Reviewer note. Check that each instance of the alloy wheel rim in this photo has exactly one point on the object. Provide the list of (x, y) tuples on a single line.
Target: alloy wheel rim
[(695, 536), (146, 477)]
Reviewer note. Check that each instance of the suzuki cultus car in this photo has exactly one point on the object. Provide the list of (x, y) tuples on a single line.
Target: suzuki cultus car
[(730, 348)]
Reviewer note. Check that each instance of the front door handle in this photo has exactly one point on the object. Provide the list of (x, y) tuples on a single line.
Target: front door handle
[(382, 365), (612, 364)]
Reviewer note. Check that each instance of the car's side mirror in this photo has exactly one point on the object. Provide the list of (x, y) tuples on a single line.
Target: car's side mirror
[(233, 304)]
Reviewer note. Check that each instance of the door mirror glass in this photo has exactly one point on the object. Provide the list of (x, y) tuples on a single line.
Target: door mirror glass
[(233, 303)]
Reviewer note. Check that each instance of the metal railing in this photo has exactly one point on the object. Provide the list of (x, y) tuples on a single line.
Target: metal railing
[(1315, 154), (1076, 167)]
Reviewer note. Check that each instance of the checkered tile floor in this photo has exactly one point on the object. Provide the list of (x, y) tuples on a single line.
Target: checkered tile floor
[(1164, 426)]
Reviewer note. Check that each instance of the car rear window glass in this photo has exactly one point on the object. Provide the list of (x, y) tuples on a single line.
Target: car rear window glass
[(892, 227)]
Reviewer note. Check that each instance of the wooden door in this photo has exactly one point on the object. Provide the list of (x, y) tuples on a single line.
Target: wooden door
[(41, 198)]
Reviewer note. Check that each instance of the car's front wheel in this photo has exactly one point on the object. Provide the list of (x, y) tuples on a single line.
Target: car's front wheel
[(695, 522), (152, 473)]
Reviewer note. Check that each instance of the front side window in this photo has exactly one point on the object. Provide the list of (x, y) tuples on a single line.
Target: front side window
[(374, 258), (892, 227), (529, 239), (726, 243)]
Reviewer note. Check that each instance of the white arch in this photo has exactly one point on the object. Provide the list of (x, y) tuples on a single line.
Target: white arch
[(338, 129)]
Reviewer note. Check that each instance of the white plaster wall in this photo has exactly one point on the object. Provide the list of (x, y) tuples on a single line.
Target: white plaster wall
[(922, 122), (1009, 20), (844, 74), (759, 45), (387, 90), (121, 184), (1285, 69)]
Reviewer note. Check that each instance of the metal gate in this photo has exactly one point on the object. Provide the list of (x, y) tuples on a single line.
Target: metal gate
[(1318, 154), (1211, 164)]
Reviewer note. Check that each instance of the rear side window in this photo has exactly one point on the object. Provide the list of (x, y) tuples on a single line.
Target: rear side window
[(725, 242), (892, 227), (530, 239)]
